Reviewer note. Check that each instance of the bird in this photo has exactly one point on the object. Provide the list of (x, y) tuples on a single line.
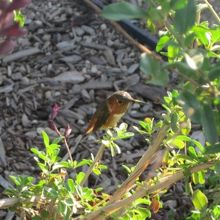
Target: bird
[(110, 111)]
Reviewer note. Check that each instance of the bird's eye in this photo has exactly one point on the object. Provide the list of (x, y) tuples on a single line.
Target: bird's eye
[(120, 102)]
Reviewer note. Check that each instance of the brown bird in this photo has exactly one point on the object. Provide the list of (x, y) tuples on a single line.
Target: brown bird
[(110, 112)]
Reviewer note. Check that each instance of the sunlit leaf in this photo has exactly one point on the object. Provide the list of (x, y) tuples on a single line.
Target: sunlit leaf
[(182, 22), (199, 200), (209, 124), (153, 70), (123, 10), (79, 177), (45, 139)]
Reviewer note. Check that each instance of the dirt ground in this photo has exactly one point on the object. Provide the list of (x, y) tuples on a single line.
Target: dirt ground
[(74, 58)]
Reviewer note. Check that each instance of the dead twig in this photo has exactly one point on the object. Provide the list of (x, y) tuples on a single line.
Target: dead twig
[(166, 182)]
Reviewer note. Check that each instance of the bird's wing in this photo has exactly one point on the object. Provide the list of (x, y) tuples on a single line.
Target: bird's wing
[(98, 119)]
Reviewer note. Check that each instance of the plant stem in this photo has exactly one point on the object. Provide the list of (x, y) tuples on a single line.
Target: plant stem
[(215, 15), (64, 140), (141, 165), (102, 213), (96, 160), (68, 149)]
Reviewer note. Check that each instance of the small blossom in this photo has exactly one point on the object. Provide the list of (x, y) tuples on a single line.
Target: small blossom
[(68, 131), (55, 110)]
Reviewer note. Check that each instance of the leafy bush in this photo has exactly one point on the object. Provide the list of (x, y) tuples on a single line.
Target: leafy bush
[(192, 52)]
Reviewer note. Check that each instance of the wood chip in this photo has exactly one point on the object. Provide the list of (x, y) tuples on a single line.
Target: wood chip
[(69, 76), (2, 154), (6, 89), (97, 84), (4, 183), (71, 59), (21, 54)]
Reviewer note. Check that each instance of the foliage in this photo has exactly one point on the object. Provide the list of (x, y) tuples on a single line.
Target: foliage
[(192, 52)]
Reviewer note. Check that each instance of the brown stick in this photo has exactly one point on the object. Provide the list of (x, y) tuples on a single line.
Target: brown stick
[(166, 182), (141, 165)]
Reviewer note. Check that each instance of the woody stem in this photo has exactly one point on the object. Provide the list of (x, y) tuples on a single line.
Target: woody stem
[(96, 160)]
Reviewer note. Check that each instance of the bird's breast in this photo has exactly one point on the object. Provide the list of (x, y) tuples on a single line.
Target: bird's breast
[(112, 120)]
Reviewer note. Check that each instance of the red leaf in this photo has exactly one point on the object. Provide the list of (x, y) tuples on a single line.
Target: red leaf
[(4, 4), (13, 31), (6, 20), (155, 205), (7, 46), (17, 4)]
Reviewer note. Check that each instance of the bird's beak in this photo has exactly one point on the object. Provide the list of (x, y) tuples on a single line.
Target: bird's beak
[(138, 101)]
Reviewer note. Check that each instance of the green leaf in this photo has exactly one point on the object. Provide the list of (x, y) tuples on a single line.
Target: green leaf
[(178, 4), (79, 177), (19, 17), (192, 152), (199, 200), (209, 124), (177, 143), (213, 149), (203, 35), (191, 105), (214, 73), (163, 41), (198, 177), (184, 18), (174, 121), (70, 184), (83, 162), (122, 10), (45, 139), (153, 69), (172, 52), (183, 68), (96, 171), (43, 167), (39, 154)]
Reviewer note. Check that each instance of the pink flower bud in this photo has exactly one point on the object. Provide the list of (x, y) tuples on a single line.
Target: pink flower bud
[(68, 131), (55, 110)]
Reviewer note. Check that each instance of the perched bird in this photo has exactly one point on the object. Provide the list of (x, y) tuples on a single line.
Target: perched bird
[(110, 112)]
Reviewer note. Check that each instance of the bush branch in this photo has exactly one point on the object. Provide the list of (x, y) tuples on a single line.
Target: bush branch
[(96, 160), (166, 182), (141, 165)]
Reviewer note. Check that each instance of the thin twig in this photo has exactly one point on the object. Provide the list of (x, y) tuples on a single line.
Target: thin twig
[(72, 149), (141, 165), (68, 149), (215, 15), (102, 213), (64, 140), (96, 160)]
